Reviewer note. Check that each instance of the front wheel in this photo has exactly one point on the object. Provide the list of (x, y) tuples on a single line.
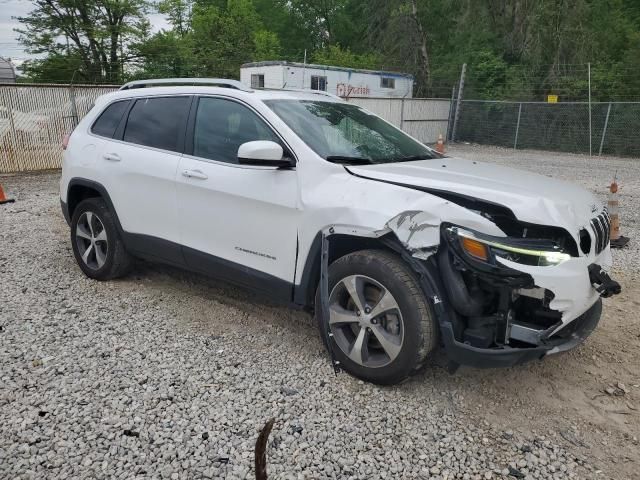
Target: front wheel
[(381, 324)]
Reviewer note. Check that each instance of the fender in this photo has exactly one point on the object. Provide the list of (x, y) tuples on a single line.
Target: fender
[(304, 293), (98, 187)]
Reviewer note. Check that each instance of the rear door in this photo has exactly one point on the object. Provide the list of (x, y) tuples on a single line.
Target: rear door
[(87, 154), (141, 162), (238, 222)]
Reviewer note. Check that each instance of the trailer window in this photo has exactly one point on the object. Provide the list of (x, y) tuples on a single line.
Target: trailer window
[(318, 83), (387, 82), (257, 81)]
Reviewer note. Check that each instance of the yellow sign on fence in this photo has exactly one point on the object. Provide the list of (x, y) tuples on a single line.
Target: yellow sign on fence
[(552, 98)]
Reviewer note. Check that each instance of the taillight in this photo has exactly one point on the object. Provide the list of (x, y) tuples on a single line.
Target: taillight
[(65, 141)]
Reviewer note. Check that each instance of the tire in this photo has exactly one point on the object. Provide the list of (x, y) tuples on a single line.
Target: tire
[(96, 244), (395, 327)]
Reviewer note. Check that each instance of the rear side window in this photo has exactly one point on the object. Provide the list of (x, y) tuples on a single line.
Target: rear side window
[(158, 122), (108, 121)]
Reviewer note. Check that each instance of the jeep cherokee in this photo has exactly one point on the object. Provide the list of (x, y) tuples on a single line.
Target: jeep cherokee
[(320, 204)]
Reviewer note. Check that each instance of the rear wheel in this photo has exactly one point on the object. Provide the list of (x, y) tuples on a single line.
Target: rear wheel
[(381, 322), (96, 243)]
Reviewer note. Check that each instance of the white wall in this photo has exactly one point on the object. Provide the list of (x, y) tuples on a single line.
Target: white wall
[(341, 83), (273, 76), (422, 118)]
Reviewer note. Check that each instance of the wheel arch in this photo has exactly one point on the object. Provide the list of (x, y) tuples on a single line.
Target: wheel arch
[(341, 243), (80, 189)]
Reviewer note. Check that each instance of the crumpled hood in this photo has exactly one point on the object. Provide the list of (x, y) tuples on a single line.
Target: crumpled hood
[(531, 197)]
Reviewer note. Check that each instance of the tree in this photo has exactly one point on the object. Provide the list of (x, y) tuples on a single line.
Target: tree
[(401, 35), (517, 49), (266, 45), (336, 55), (224, 39), (278, 17), (55, 68), (165, 54), (318, 17), (516, 22), (96, 32), (208, 38), (178, 13)]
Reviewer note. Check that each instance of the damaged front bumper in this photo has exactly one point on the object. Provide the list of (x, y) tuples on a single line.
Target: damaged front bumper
[(512, 313), (506, 356)]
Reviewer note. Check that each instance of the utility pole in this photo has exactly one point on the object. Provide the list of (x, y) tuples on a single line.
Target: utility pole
[(515, 141), (590, 131), (604, 130), (304, 68), (456, 117), (72, 100), (450, 116)]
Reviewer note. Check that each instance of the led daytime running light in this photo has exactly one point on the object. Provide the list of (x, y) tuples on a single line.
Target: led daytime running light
[(551, 257)]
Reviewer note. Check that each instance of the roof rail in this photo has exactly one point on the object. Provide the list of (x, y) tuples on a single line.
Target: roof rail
[(220, 82), (322, 92)]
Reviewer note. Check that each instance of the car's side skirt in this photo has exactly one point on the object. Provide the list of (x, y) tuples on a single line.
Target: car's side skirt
[(160, 250)]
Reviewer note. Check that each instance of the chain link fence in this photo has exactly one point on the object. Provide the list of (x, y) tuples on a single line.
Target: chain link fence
[(553, 126)]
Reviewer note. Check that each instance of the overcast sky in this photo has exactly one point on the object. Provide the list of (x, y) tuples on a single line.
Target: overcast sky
[(9, 45)]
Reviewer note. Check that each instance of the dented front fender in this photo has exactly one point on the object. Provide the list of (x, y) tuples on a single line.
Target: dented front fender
[(419, 230)]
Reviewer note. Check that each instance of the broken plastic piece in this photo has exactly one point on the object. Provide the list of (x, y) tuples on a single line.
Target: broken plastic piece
[(324, 297), (620, 242), (602, 282)]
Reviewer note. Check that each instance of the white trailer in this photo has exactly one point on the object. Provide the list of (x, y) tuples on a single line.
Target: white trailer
[(343, 82)]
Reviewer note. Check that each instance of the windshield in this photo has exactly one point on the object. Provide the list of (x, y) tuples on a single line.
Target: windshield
[(344, 133)]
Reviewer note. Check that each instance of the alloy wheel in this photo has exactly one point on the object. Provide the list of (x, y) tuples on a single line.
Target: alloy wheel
[(92, 241), (366, 321)]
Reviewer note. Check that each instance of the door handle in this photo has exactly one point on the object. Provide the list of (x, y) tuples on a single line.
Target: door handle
[(194, 174), (112, 157)]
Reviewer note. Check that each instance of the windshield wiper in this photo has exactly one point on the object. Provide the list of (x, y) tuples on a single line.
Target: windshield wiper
[(411, 158), (343, 159)]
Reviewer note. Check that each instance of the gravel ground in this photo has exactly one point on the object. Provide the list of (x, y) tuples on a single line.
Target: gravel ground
[(167, 374)]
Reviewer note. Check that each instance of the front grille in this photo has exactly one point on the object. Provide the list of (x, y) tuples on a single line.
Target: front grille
[(601, 226)]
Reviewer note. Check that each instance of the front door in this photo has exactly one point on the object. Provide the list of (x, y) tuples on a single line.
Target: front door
[(237, 222)]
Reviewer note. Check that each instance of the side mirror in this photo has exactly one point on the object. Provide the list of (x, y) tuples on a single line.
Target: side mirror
[(263, 153)]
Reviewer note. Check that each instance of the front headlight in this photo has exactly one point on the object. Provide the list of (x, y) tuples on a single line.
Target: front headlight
[(486, 248)]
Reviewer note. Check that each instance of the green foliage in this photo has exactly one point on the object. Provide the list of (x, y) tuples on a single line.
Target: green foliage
[(165, 54), (178, 13), (336, 55), (57, 67), (488, 72), (91, 33), (223, 39), (266, 46), (278, 18), (514, 49)]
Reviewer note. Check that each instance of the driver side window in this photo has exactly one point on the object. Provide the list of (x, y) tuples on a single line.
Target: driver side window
[(221, 126)]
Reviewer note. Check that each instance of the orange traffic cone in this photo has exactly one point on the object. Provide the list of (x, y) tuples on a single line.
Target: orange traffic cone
[(3, 198), (613, 208), (440, 145)]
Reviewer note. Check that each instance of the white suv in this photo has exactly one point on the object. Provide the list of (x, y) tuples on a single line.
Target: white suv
[(320, 204)]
